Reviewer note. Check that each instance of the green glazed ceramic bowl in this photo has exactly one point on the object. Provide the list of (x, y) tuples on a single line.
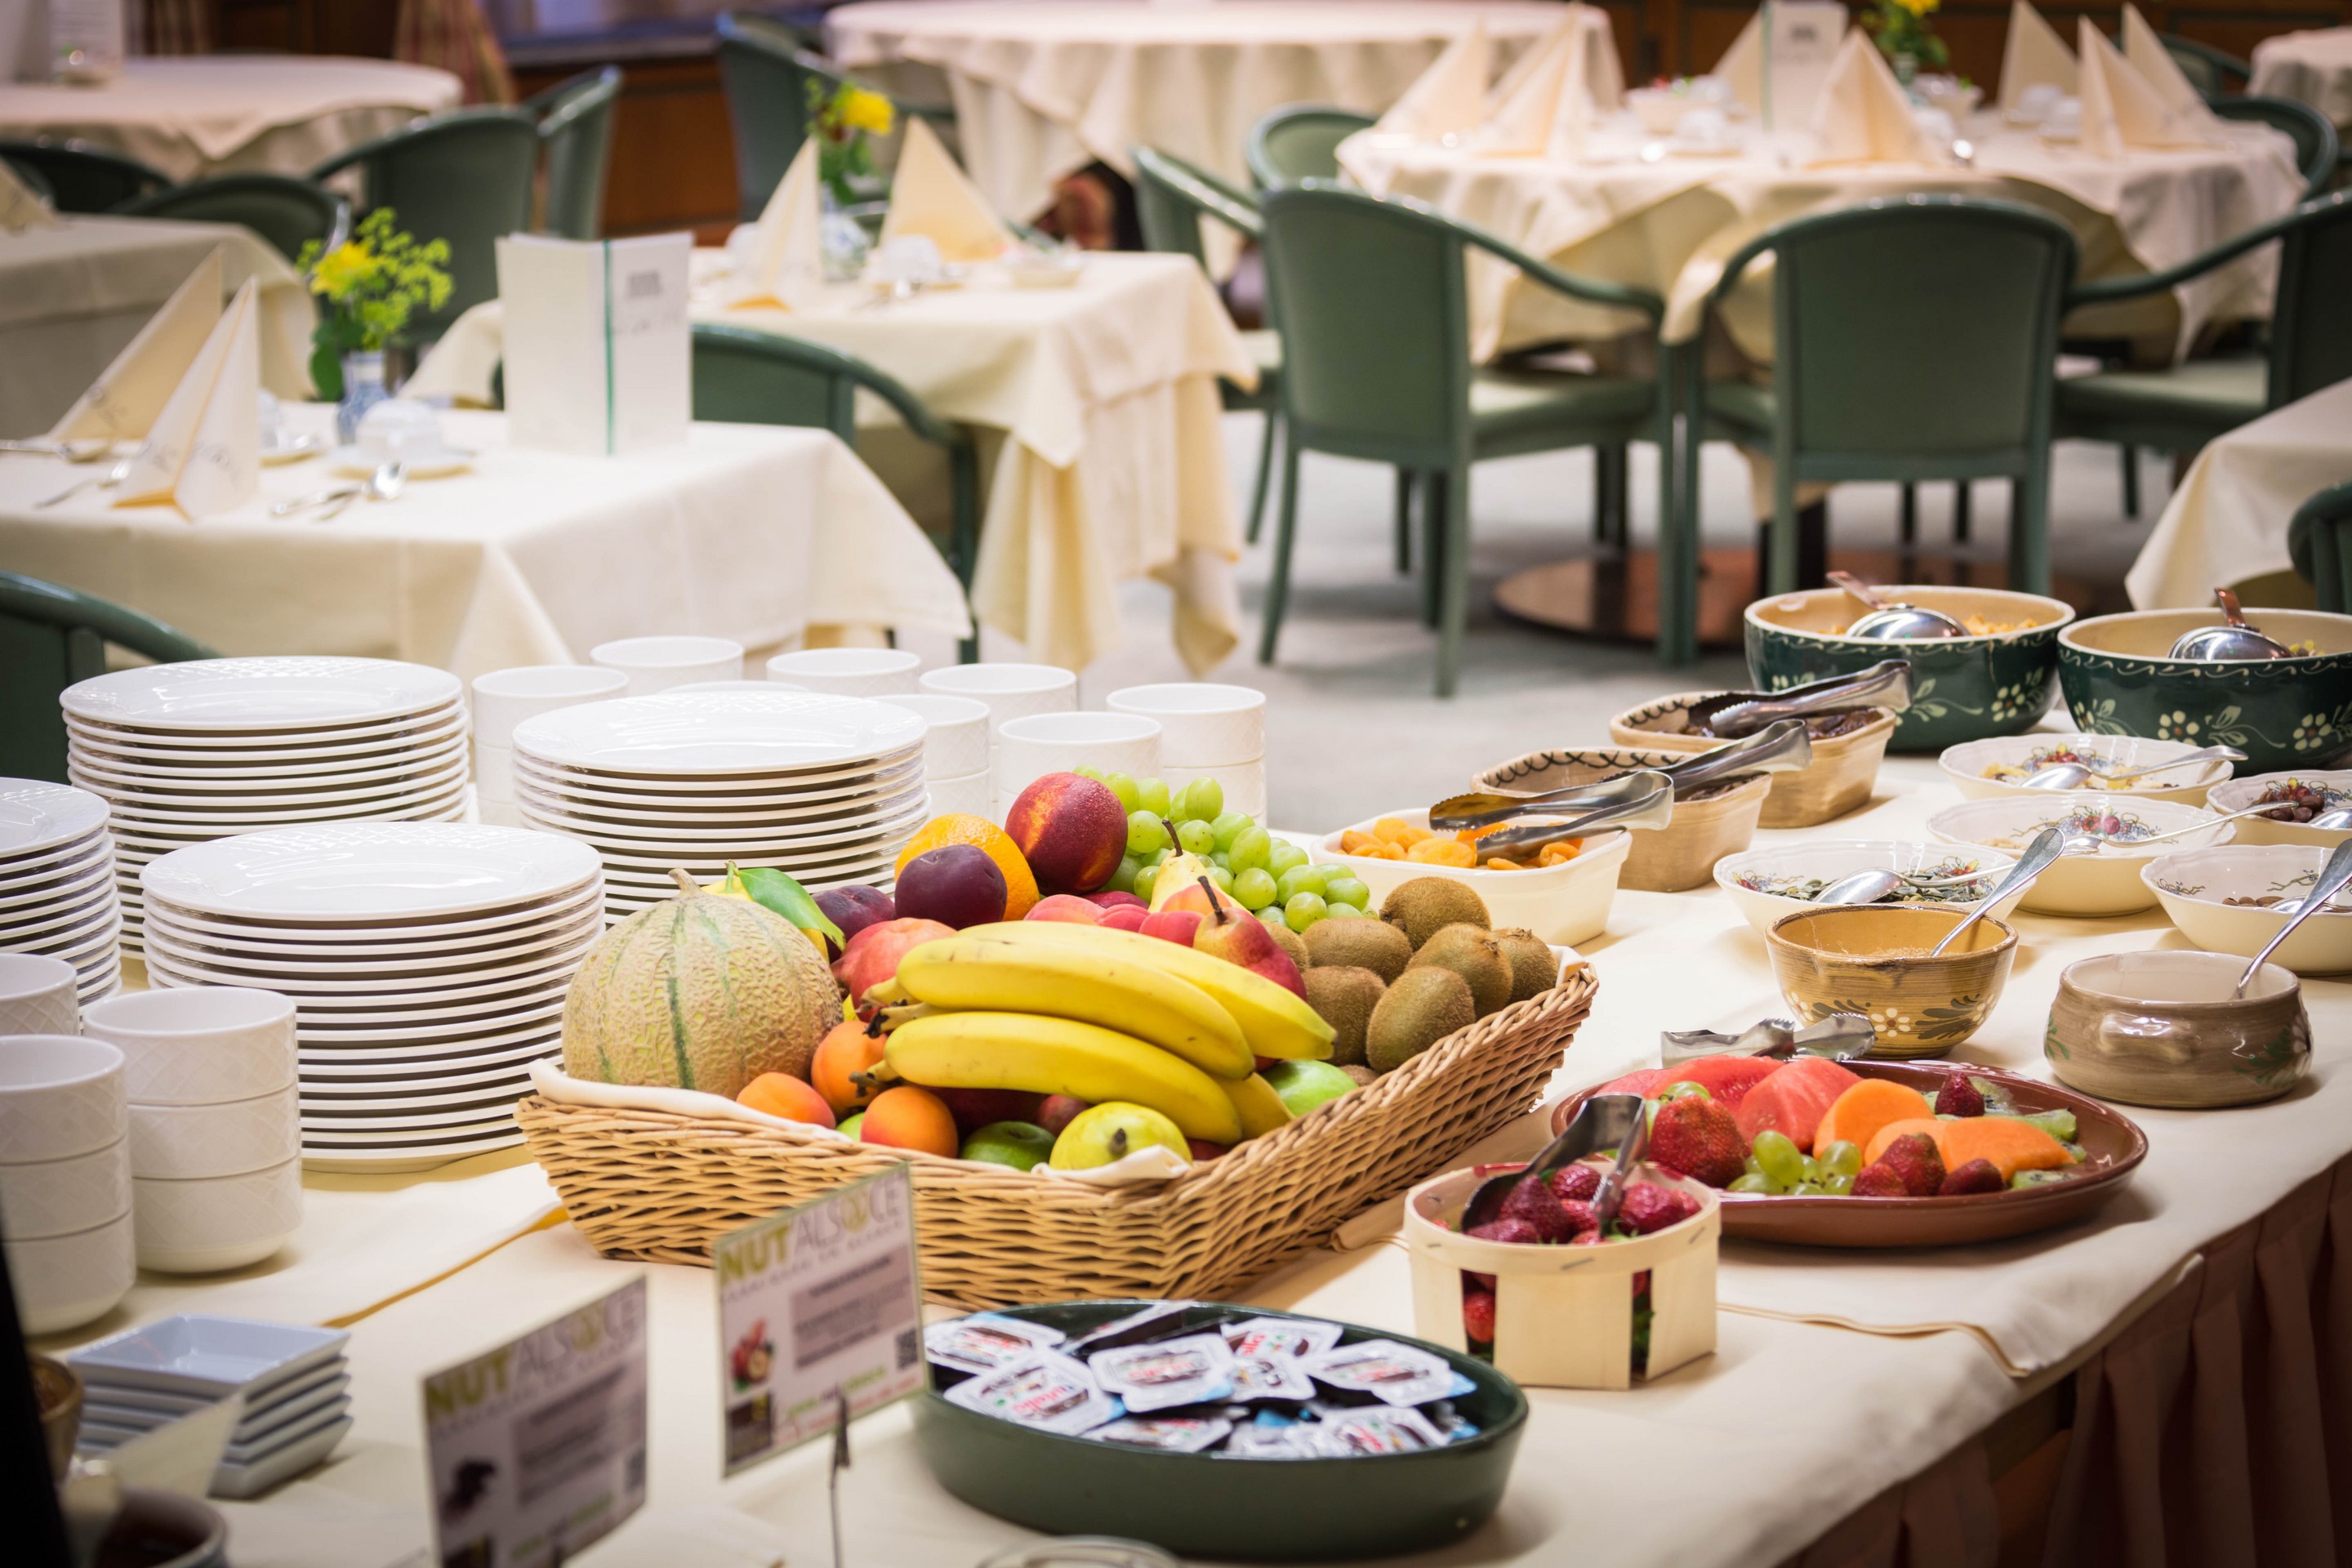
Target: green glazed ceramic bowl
[(1198, 1505), (1962, 688), (2282, 712)]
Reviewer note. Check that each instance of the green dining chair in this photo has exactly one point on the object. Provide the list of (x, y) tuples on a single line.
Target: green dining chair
[(2316, 141), (2309, 345), (1369, 298), (747, 377), (1171, 197), (1913, 338), (82, 178), (286, 212), (1300, 142), (464, 177), (575, 139), (51, 637), (767, 84), (2319, 543), (2209, 70)]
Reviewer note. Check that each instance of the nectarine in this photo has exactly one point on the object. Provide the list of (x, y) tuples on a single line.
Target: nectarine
[(910, 1118), (840, 1060), (780, 1094), (873, 953), (1071, 830)]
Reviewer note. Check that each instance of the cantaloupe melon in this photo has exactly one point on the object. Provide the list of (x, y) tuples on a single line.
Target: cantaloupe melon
[(698, 992)]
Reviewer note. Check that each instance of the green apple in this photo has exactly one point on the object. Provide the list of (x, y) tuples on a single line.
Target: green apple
[(1023, 1145), (1304, 1085), (1112, 1131), (853, 1127)]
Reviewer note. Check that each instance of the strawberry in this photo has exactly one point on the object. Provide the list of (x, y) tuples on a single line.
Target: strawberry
[(1959, 1096), (1916, 1159), (1518, 1232), (1699, 1138), (1880, 1181), (1976, 1176), (1581, 1216), (1575, 1184), (1532, 1201), (1478, 1316), (1653, 1206)]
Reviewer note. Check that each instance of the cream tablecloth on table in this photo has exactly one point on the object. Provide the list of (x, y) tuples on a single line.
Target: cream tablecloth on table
[(219, 114), (2227, 523), (1106, 394), (2313, 67), (72, 296), (745, 531)]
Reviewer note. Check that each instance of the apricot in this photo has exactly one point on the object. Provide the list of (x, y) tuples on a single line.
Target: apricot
[(780, 1094), (846, 1051), (911, 1118), (1442, 852)]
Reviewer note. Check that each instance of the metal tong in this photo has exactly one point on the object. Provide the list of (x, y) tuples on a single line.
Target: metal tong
[(1604, 1121), (1841, 1036), (1643, 798), (1886, 684), (1783, 748)]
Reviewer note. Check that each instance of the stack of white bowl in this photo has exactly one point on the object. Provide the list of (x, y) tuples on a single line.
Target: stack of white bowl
[(37, 997), (1028, 749), (656, 664), (57, 896), (955, 752), (65, 1179), (215, 1143), (826, 788), (428, 963), (186, 753), (1010, 692), (882, 672), (1206, 731), (504, 698)]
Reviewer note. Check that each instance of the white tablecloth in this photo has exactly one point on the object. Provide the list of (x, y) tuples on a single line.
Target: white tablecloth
[(2227, 523), (746, 531), (2313, 67), (72, 297), (1111, 465), (219, 114)]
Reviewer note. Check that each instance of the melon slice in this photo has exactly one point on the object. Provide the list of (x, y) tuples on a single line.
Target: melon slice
[(1862, 1110), (1793, 1099), (2010, 1145), (1645, 1083)]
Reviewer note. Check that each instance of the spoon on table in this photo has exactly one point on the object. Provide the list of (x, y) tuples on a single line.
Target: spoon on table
[(2074, 775), (2039, 857), (385, 484), (2330, 882), (1600, 1123), (104, 481), (1886, 684), (2233, 640), (1869, 887), (1782, 748), (1889, 621), (72, 451)]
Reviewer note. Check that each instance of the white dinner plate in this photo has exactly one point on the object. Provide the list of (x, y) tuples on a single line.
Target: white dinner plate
[(36, 816), (632, 883), (423, 1103), (290, 693), (718, 733), (643, 839), (844, 805), (162, 836), (383, 973), (98, 873), (392, 767), (523, 934), (271, 748), (135, 810), (332, 873), (357, 464), (379, 992), (87, 911), (63, 863), (398, 1039), (716, 792), (397, 1128), (328, 1079)]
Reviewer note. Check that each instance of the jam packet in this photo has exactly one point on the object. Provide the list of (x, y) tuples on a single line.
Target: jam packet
[(1356, 1434), (1151, 1323), (1392, 1373), (1165, 1434), (1049, 1394), (987, 1341), (1190, 1370), (1258, 1338), (1289, 1441), (1271, 1377), (1450, 1423)]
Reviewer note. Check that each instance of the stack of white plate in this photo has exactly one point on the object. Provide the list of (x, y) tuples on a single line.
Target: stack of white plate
[(57, 896), (185, 753), (828, 788), (427, 965)]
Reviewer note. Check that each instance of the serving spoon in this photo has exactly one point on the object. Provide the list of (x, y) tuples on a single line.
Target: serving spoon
[(1869, 887), (1782, 748), (2232, 641), (2039, 857), (1886, 684), (2330, 882), (1889, 621), (2077, 840), (1604, 1121), (2074, 775)]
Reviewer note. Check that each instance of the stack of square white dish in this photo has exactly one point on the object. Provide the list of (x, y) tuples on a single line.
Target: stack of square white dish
[(186, 753), (57, 896), (826, 788), (1206, 731), (295, 1379), (428, 963), (65, 1179)]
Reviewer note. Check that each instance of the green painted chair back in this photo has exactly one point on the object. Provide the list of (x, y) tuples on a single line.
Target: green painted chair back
[(2319, 542), (2209, 70), (575, 134), (50, 637), (1172, 195), (766, 83), (2316, 141), (286, 212), (1300, 142), (2311, 320), (84, 179)]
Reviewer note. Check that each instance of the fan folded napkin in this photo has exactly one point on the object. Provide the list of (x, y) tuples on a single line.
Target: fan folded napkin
[(124, 403), (1447, 99), (1548, 102), (20, 208), (2146, 55), (782, 257), (2121, 110), (1741, 68), (203, 450), (2034, 56), (930, 196), (1863, 116)]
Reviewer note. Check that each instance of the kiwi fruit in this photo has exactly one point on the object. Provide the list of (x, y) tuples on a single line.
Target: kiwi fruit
[(1535, 968), (1422, 1007), (1475, 957), (1361, 1073), (1344, 997), (1427, 905), (1375, 946), (1288, 940)]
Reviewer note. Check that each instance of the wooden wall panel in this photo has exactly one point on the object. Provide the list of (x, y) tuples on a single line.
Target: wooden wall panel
[(673, 160)]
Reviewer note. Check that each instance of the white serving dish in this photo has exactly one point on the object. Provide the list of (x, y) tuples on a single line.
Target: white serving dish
[(37, 817), (1203, 725), (1563, 904), (213, 1357), (342, 872), (60, 1096), (1964, 764), (238, 1480), (1831, 859), (2105, 883), (2193, 886), (65, 1281), (876, 672), (204, 1225), (956, 744), (656, 664), (2238, 795), (182, 1141), (59, 1198), (36, 996), (136, 1409), (236, 695)]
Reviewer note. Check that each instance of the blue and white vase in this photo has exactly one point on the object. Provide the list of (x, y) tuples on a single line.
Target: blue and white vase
[(363, 388)]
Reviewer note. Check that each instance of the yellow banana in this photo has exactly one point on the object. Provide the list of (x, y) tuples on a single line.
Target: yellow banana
[(1255, 1102), (993, 974), (1277, 1022), (1061, 1056)]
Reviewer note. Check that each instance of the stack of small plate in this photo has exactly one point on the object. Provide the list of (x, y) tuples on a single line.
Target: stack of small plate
[(828, 788), (185, 753), (56, 882), (428, 963)]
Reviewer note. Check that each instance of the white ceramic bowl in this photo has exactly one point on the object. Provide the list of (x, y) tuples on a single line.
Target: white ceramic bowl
[(1029, 748), (182, 1141), (1658, 109), (1563, 904), (1966, 764), (2240, 794), (1752, 878), (2192, 886), (974, 795), (36, 996), (656, 664), (848, 672), (212, 1223), (494, 782), (57, 1197), (1244, 784), (1202, 725), (505, 698), (60, 1095), (201, 1045), (1010, 690), (65, 1281), (956, 744), (2105, 883)]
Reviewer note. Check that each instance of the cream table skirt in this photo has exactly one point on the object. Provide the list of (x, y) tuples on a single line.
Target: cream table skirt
[(1105, 395), (2311, 68), (746, 531), (73, 295), (222, 114)]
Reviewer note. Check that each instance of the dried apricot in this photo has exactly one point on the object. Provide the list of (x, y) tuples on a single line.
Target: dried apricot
[(1355, 842), (1392, 831), (1442, 852)]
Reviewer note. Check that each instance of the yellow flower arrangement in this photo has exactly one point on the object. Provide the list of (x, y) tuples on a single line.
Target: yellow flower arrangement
[(1901, 31), (840, 119), (368, 287), (865, 111)]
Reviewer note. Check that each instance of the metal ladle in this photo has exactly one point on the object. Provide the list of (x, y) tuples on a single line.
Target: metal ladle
[(1891, 622), (1886, 684), (2074, 775), (2331, 880), (2232, 641), (2039, 857), (1783, 748)]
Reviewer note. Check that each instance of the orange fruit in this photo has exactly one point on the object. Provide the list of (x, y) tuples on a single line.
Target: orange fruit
[(958, 828)]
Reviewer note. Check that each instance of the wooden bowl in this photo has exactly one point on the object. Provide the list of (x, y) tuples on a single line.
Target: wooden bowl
[(2112, 1147), (2164, 1029), (1844, 769), (1871, 960), (1670, 859)]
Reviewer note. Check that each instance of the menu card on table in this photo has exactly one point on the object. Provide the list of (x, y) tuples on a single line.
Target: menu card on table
[(538, 1448), (1800, 46), (85, 39), (598, 360)]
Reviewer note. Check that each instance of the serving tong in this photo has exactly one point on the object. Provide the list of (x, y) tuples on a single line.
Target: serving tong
[(1886, 684), (2232, 641), (1783, 748), (1841, 1037), (1643, 798), (1604, 1122), (1890, 621)]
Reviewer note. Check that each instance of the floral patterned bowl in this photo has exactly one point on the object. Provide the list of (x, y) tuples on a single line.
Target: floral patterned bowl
[(1997, 769), (1785, 878), (2120, 679), (2333, 791), (2087, 884), (1962, 688), (2225, 900), (1872, 960)]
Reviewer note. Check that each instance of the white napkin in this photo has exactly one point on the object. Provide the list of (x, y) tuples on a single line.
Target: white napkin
[(930, 195), (1549, 102), (1862, 116), (2034, 56), (121, 405), (1446, 98), (1741, 67), (20, 209), (203, 450), (784, 255), (2121, 110), (2148, 56)]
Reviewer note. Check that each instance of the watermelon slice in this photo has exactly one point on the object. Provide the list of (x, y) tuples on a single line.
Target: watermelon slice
[(1728, 1079), (1645, 1083), (1794, 1100)]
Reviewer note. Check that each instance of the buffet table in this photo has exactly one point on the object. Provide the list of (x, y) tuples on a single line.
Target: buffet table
[(2314, 68), (1861, 1408)]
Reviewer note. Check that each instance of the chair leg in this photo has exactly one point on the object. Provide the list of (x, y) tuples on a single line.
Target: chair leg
[(964, 532), (1277, 581), (1405, 477), (1265, 473), (1677, 541), (1610, 524), (1962, 498), (1907, 521), (1450, 500), (1780, 533), (2029, 529), (1435, 544), (2130, 456)]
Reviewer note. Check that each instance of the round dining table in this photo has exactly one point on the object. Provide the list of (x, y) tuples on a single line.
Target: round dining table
[(2313, 67)]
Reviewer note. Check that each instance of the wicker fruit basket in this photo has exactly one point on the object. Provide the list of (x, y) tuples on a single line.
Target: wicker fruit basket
[(658, 1185)]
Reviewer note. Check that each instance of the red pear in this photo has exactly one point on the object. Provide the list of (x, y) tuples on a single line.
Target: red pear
[(1241, 939)]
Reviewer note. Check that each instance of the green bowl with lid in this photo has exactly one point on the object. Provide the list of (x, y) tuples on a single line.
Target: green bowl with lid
[(2121, 680), (1198, 1505)]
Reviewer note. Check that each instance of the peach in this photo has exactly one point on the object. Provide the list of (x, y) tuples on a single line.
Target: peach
[(1110, 901), (910, 1118), (1178, 926), (1124, 917), (844, 1058), (873, 953), (780, 1094), (1071, 830), (1067, 907)]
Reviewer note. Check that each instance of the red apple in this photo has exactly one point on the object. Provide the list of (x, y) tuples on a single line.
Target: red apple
[(1066, 907), (974, 1108), (1056, 1112), (1071, 830), (873, 955)]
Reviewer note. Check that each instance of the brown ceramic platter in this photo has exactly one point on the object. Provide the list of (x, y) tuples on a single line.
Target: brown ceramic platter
[(2112, 1147)]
